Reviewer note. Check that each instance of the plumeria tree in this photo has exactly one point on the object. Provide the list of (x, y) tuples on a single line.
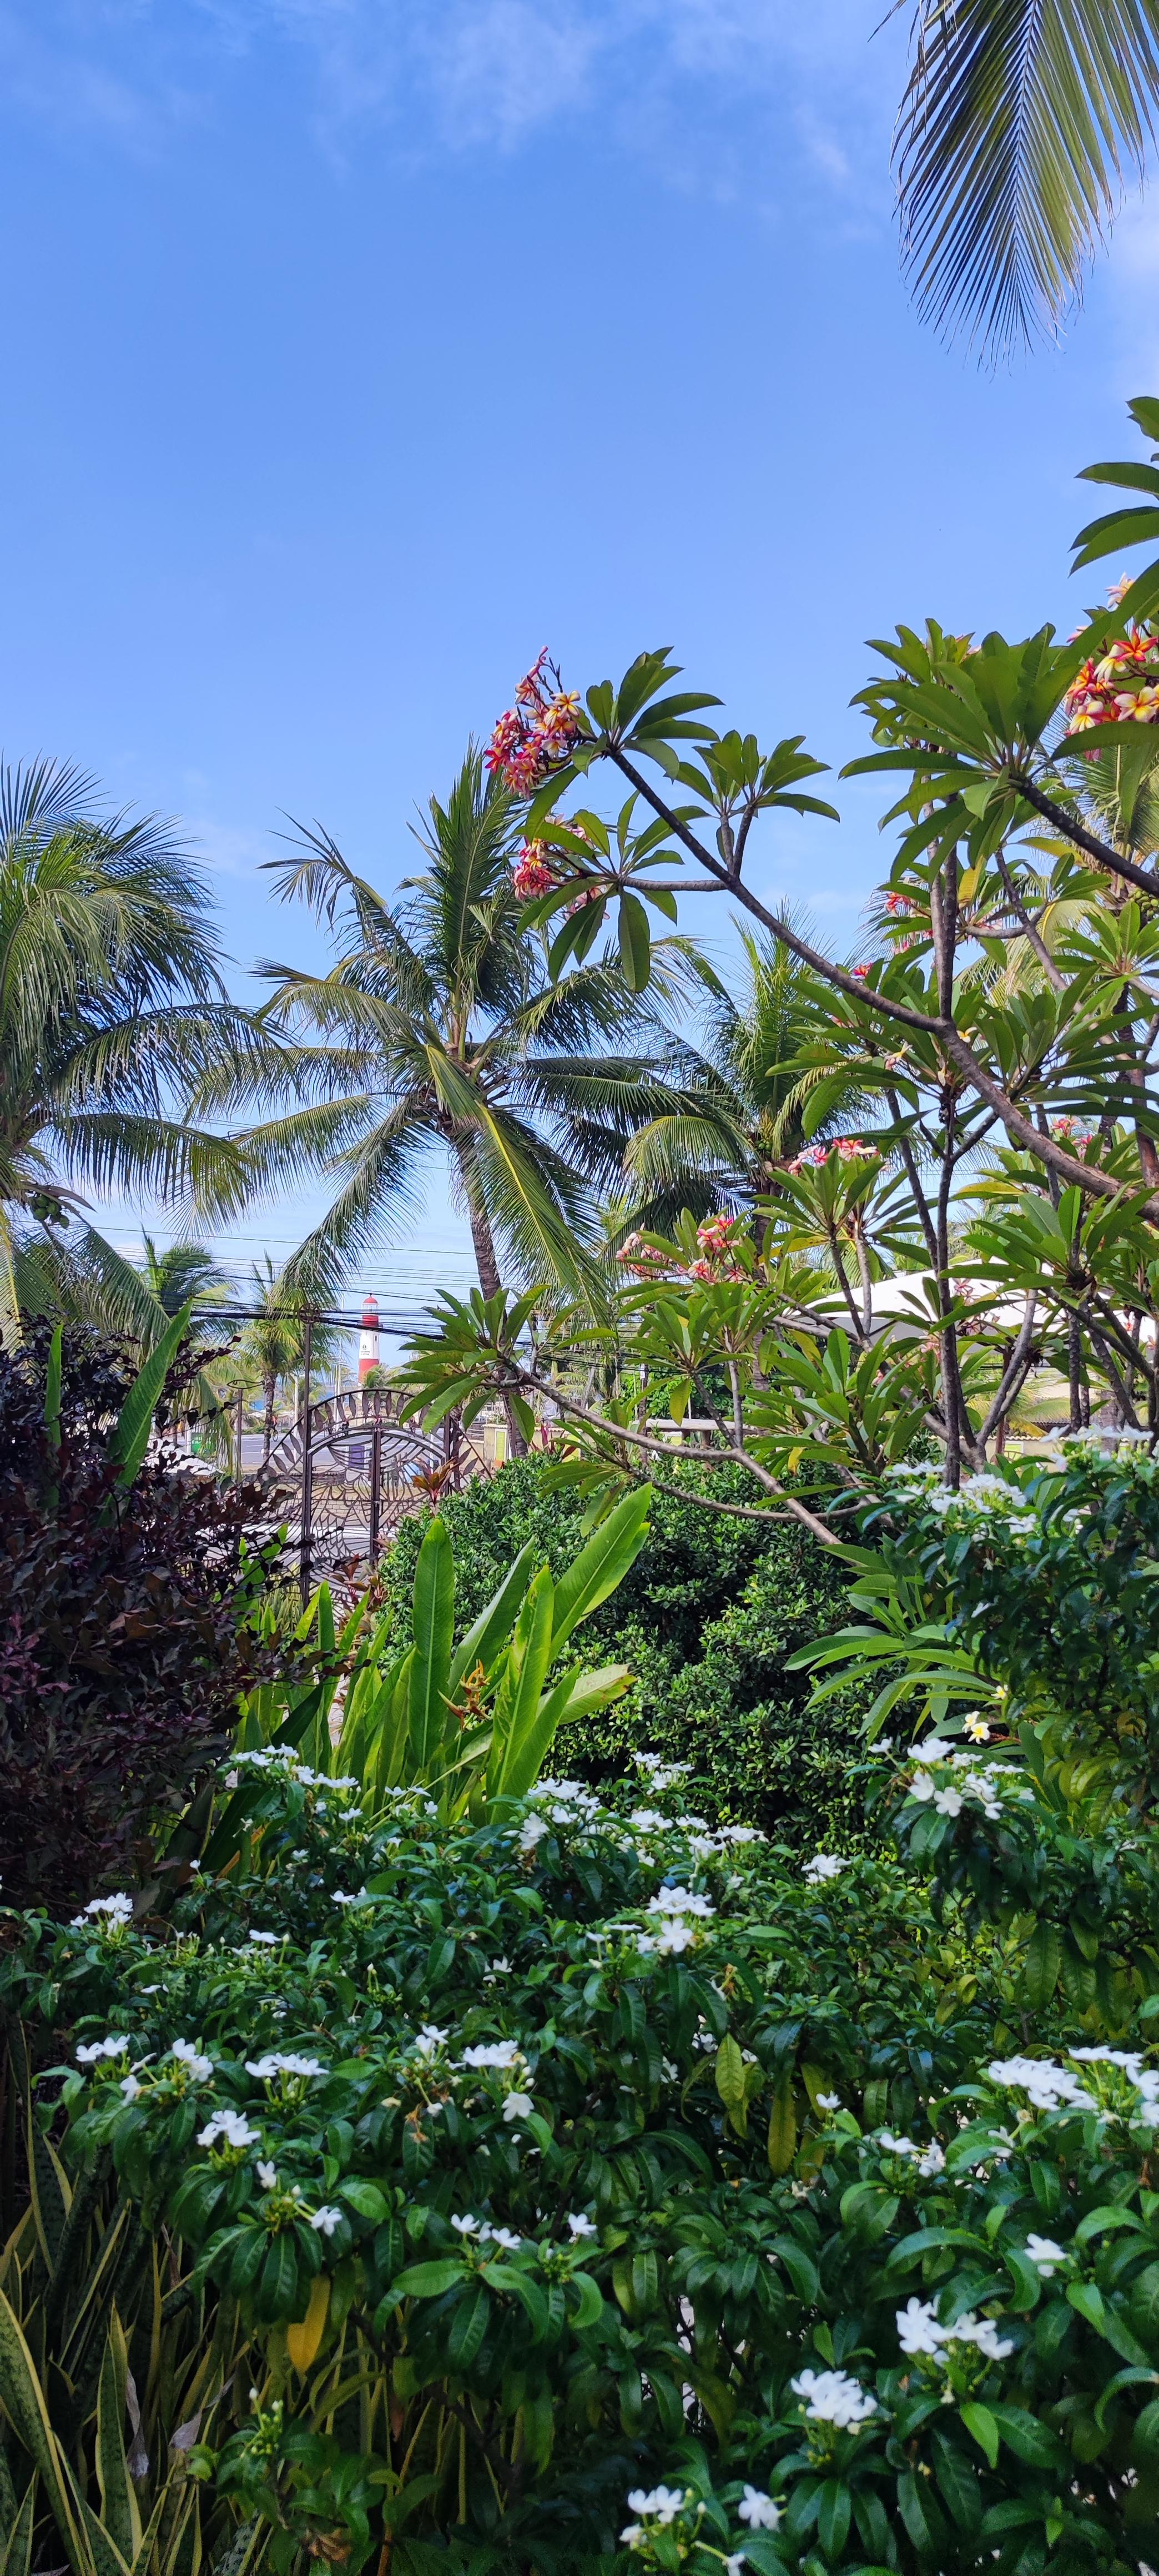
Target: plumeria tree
[(998, 1042)]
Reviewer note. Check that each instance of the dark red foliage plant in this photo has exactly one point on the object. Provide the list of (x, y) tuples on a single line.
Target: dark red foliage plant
[(126, 1631)]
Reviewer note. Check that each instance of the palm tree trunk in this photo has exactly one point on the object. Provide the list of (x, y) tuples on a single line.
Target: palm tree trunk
[(269, 1390), (487, 1266)]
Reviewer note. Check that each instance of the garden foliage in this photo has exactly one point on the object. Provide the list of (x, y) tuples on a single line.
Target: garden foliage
[(591, 2188), (125, 1642), (705, 1620)]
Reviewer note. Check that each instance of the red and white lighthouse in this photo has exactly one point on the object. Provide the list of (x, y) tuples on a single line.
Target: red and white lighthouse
[(368, 1338)]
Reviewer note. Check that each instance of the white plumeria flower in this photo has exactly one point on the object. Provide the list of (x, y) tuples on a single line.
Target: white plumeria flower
[(1046, 2255), (199, 2066), (230, 2127), (325, 2220), (758, 2510), (267, 2174), (92, 2051), (832, 2397), (517, 2106), (579, 2226)]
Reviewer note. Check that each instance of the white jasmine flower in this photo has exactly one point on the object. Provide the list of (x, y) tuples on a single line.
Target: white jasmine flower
[(531, 1832), (932, 2161), (429, 2038), (325, 2220), (467, 2226), (671, 1940), (832, 2397), (825, 2101), (498, 1968), (517, 2106), (363, 1897), (824, 1865), (267, 1940), (579, 2226), (502, 2237), (200, 2067), (267, 2174), (1045, 2255), (758, 2510), (113, 1909), (935, 1749), (661, 2503), (498, 2052), (129, 2088), (918, 2330), (680, 1900), (948, 1802), (229, 2126), (920, 1787), (91, 2051), (649, 1820), (1050, 2087), (282, 2063)]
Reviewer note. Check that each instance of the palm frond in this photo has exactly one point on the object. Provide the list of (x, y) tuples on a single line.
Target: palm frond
[(1016, 124)]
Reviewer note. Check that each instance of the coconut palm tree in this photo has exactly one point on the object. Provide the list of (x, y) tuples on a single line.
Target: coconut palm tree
[(273, 1346), (111, 1002), (1018, 122), (736, 1115), (438, 1033), (181, 1271)]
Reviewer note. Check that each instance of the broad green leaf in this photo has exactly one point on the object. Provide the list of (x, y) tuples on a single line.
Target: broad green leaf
[(602, 1564), (434, 1628), (130, 1435), (1040, 1968), (979, 2421), (782, 2127), (488, 1634), (520, 1724), (428, 2280)]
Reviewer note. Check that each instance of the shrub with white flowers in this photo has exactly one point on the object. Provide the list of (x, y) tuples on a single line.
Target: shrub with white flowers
[(622, 2195)]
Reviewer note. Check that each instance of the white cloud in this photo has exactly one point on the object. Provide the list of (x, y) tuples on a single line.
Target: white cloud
[(697, 87)]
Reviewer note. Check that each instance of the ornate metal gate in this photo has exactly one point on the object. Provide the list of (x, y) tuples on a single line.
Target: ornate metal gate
[(346, 1477)]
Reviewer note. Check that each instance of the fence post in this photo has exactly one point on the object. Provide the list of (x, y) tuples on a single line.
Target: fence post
[(375, 1484), (307, 1465)]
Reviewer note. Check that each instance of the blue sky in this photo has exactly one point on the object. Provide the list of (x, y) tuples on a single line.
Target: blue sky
[(357, 348)]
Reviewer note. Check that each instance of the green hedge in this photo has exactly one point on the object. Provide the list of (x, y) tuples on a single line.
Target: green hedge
[(707, 1618)]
